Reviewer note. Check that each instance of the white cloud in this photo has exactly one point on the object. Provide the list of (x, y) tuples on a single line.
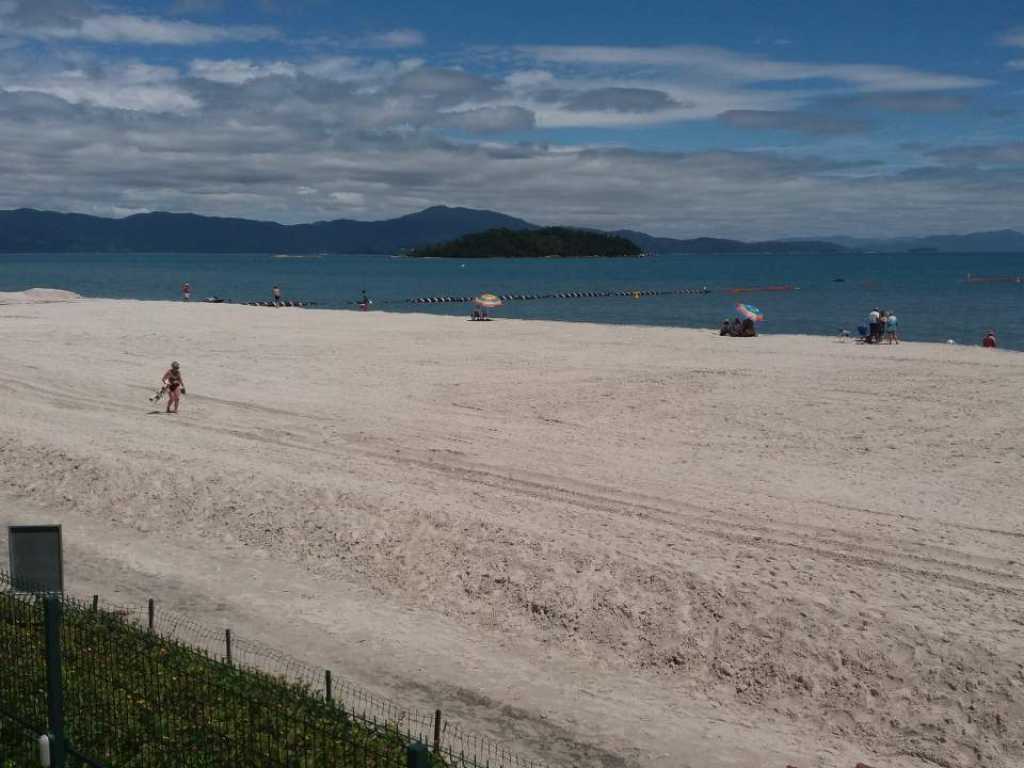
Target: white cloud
[(1013, 38), (725, 66), (77, 20), (356, 199), (397, 38), (489, 119), (239, 70), (529, 78), (109, 28), (131, 86), (1015, 64)]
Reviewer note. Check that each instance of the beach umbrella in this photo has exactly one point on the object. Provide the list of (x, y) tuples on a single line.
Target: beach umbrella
[(487, 301), (750, 311)]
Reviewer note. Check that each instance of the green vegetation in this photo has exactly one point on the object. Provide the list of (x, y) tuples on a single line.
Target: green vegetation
[(533, 243), (134, 698)]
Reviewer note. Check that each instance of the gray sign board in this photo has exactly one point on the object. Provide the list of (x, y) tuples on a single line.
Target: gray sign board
[(37, 557)]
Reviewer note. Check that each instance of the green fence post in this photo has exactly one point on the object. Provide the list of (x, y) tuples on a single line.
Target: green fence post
[(417, 756), (54, 688)]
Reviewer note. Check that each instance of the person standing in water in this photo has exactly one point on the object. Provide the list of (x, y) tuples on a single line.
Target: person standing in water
[(186, 291), (364, 301), (175, 386), (277, 296)]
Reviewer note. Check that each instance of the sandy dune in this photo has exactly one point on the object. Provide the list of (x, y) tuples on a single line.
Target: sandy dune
[(604, 545)]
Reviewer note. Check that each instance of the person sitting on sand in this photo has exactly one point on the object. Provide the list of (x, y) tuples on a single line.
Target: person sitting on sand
[(726, 328), (989, 342), (736, 328), (277, 296), (175, 386), (747, 329)]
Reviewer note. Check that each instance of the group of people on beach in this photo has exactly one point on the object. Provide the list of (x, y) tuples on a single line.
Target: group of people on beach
[(738, 328), (882, 324)]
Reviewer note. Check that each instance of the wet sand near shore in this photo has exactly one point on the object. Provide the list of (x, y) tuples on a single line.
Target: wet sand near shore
[(629, 545)]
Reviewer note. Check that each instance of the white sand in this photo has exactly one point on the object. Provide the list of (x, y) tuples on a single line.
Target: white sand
[(37, 296), (645, 546)]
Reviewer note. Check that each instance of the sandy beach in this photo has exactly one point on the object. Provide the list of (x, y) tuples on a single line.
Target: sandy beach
[(602, 545)]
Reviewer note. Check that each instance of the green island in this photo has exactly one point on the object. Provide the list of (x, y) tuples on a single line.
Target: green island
[(547, 242)]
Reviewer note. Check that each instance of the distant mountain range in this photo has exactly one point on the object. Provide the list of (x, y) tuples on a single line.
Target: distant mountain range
[(999, 241), (30, 231), (698, 245)]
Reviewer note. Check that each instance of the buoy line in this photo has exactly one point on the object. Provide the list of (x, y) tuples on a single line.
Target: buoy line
[(546, 296)]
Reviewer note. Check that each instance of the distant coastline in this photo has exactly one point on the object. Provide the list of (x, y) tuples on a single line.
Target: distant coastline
[(33, 231)]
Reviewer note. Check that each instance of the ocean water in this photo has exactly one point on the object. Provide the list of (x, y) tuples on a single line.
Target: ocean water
[(928, 292)]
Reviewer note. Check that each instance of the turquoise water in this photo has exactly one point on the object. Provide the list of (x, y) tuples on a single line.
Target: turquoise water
[(927, 291)]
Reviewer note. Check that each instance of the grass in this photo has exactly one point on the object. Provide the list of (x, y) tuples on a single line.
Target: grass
[(133, 698)]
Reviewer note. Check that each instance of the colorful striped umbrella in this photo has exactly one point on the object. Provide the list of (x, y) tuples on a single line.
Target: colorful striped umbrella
[(750, 311), (487, 301)]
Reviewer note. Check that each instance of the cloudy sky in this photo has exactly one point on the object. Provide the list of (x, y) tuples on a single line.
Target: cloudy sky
[(734, 118)]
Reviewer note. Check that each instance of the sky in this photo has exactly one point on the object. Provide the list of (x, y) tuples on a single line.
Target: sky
[(733, 118)]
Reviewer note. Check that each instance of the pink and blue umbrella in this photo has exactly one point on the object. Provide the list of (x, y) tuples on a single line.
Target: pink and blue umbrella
[(750, 311)]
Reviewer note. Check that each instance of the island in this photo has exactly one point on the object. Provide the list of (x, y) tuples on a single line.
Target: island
[(545, 242)]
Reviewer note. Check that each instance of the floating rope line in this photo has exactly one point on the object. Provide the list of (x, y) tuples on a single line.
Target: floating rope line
[(546, 296)]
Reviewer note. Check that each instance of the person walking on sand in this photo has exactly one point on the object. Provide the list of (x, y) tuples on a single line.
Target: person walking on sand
[(989, 342), (186, 291), (175, 386), (277, 296)]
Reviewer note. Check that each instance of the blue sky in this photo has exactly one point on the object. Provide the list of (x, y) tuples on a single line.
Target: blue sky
[(731, 118)]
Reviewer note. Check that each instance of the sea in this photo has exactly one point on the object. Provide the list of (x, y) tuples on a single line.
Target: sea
[(928, 292)]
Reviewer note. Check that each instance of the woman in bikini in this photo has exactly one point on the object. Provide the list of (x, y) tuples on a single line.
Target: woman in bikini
[(175, 386)]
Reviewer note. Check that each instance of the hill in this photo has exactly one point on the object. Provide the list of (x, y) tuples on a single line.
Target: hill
[(560, 242), (717, 245), (998, 241), (31, 231)]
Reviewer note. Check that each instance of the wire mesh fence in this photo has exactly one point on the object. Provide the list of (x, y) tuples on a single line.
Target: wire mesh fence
[(141, 683)]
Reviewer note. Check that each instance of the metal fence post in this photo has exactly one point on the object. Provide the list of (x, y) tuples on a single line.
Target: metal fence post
[(417, 756), (328, 693), (227, 643), (152, 613), (54, 688), (437, 731)]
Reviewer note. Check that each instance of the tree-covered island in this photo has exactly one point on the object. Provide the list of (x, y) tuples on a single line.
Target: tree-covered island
[(547, 242)]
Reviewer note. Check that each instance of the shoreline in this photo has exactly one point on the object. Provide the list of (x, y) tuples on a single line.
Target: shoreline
[(852, 340)]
